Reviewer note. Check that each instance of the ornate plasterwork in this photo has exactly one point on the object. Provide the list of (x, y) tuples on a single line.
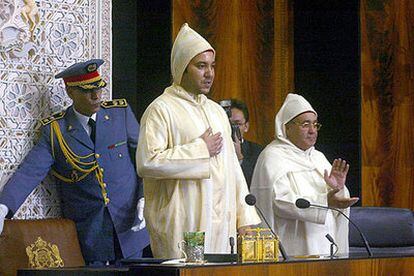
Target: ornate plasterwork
[(37, 40)]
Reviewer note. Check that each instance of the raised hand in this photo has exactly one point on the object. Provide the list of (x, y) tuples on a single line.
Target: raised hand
[(335, 201), (214, 142), (337, 177)]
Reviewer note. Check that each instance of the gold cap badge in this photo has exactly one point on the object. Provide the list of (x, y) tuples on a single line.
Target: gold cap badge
[(91, 67)]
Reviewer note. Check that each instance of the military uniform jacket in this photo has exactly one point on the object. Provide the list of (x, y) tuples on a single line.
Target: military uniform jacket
[(96, 207)]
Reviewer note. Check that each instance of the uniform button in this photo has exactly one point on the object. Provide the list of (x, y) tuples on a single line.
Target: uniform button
[(97, 155), (102, 169), (104, 185), (107, 200), (120, 155)]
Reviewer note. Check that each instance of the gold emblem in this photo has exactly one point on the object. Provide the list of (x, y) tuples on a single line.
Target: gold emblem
[(91, 67), (43, 255)]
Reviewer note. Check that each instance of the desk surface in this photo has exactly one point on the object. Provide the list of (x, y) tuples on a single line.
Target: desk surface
[(378, 265)]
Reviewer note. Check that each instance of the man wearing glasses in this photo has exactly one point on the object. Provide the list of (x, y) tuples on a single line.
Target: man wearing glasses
[(247, 151), (290, 168)]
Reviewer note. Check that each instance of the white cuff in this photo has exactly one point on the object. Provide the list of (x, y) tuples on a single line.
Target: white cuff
[(3, 210), (141, 203)]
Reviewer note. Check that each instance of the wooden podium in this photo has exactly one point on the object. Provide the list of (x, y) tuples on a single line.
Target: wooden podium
[(391, 265), (362, 266)]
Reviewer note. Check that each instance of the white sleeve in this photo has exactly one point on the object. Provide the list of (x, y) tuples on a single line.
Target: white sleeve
[(285, 195), (158, 158)]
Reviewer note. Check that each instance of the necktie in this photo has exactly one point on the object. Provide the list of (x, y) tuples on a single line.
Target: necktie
[(92, 124)]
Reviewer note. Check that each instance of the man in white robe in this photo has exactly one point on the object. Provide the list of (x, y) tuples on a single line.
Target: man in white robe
[(192, 178), (290, 168)]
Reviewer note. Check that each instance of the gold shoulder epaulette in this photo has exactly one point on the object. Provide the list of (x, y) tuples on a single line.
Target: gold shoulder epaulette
[(115, 103), (52, 118)]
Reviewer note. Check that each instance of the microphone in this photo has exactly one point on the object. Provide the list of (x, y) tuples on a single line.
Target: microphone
[(329, 237), (251, 200), (303, 204), (231, 239), (332, 253)]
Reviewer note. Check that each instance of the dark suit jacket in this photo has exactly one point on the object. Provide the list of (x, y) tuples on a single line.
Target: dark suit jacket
[(250, 152), (83, 201)]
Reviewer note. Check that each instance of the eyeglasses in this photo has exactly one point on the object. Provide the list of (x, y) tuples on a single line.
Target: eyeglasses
[(309, 124), (238, 124)]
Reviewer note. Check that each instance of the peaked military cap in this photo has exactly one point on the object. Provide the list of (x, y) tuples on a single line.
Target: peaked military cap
[(83, 75)]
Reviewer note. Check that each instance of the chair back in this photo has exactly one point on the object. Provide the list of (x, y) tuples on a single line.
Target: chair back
[(42, 243), (387, 229)]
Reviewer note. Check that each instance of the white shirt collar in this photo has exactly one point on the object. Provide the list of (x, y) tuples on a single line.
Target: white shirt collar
[(83, 119)]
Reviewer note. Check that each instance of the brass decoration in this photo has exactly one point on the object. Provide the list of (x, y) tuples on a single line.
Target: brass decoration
[(74, 176), (257, 248), (92, 67), (114, 103), (43, 255), (56, 116)]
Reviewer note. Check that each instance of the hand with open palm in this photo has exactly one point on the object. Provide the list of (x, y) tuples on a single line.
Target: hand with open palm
[(337, 177), (335, 201)]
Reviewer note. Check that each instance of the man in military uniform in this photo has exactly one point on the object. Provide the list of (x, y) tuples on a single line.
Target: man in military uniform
[(89, 149)]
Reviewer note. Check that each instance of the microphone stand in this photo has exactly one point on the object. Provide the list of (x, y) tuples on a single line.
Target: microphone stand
[(231, 239), (331, 251), (282, 249), (367, 247)]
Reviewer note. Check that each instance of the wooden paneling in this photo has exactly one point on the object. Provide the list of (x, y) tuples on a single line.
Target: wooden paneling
[(254, 45), (385, 266), (387, 99)]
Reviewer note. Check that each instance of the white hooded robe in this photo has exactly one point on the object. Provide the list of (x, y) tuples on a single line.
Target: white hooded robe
[(284, 173), (185, 189)]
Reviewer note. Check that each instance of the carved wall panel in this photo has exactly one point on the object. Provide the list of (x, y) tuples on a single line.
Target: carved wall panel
[(37, 40)]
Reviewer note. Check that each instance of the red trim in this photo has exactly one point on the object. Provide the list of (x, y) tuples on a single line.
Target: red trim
[(87, 76)]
